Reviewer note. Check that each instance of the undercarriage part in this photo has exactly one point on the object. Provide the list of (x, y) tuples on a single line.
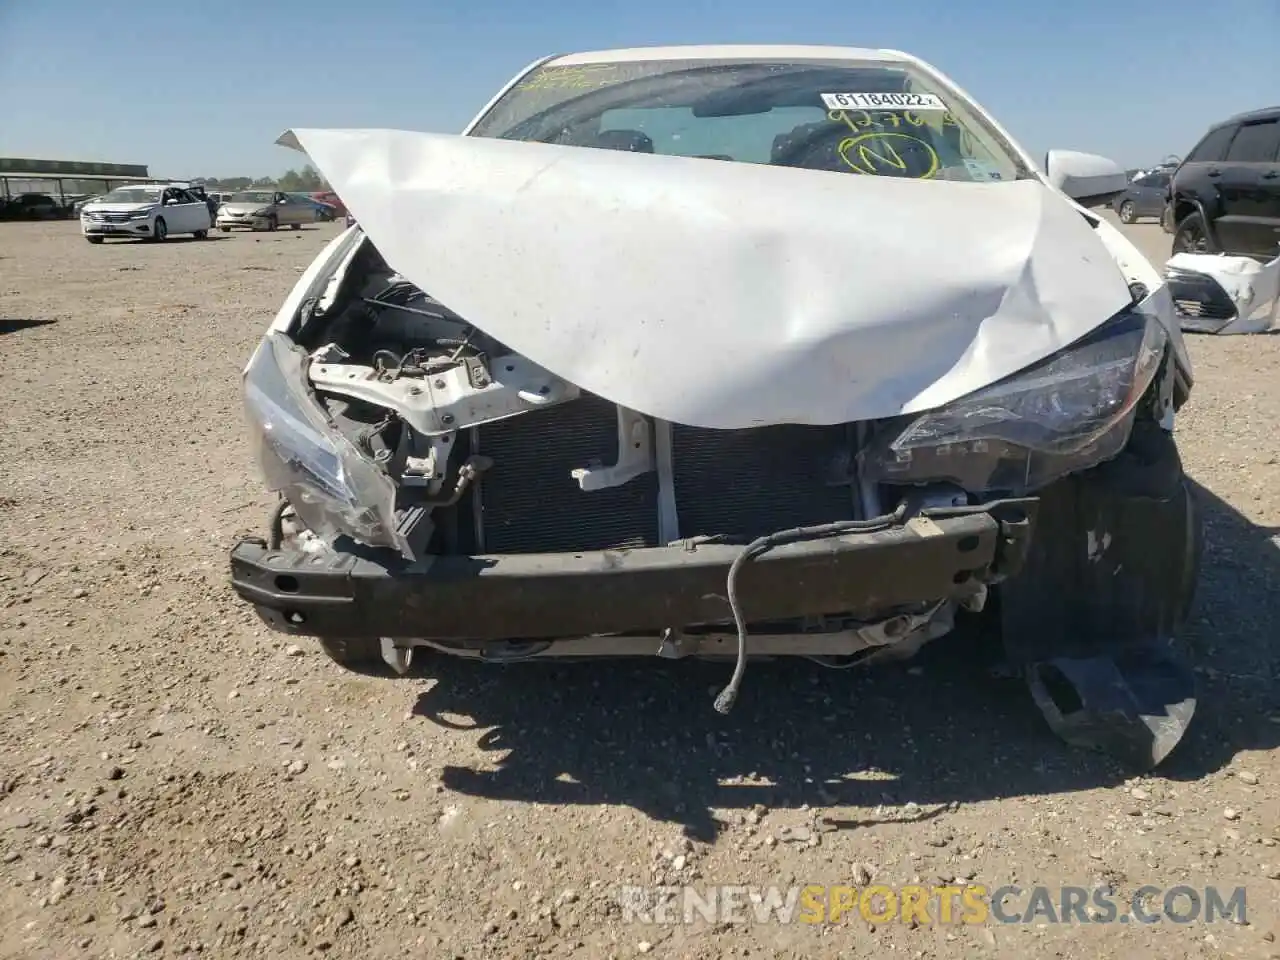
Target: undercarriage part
[(725, 699), (830, 649), (1109, 580), (1135, 705), (531, 501), (398, 658)]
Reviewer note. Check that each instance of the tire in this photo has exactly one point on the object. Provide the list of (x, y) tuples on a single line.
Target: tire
[(1127, 212), (161, 231), (1192, 236), (295, 226), (201, 234), (361, 655), (95, 239)]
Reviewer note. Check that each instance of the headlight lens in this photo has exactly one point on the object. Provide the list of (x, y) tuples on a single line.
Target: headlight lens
[(1064, 414), (332, 486), (140, 214)]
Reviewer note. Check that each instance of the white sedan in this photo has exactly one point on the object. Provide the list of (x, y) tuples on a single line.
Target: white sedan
[(150, 211)]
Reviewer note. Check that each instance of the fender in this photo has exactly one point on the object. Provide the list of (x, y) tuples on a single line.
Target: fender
[(1210, 227)]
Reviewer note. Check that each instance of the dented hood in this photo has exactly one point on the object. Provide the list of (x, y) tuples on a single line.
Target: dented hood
[(728, 294)]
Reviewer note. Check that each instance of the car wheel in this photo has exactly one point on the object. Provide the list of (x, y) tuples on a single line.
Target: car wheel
[(1127, 213), (1192, 236), (94, 239), (161, 232), (358, 654), (201, 234)]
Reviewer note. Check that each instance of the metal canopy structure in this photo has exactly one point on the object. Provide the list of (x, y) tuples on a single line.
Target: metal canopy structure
[(20, 175)]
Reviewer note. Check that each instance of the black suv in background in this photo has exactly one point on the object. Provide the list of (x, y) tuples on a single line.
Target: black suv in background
[(1225, 197)]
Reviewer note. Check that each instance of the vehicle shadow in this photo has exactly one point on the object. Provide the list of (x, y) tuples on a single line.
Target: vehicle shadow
[(943, 729), (14, 324), (149, 242)]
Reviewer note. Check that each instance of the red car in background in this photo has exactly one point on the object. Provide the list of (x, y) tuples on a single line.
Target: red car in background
[(331, 198)]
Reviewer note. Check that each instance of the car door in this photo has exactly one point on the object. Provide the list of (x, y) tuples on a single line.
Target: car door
[(195, 212), (1151, 198), (1250, 222)]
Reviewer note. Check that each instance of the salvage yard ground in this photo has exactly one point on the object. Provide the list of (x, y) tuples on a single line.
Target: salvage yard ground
[(176, 780)]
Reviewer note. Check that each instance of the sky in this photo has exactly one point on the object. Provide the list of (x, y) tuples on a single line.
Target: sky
[(203, 89)]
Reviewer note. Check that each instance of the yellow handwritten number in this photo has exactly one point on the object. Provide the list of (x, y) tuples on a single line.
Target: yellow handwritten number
[(881, 153)]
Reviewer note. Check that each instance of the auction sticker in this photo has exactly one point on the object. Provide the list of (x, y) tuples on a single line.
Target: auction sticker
[(883, 101)]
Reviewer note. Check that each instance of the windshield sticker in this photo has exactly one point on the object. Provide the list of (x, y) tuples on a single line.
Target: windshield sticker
[(883, 101), (892, 154), (588, 77), (981, 170)]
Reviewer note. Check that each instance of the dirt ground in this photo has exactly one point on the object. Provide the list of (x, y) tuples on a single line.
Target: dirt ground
[(177, 780)]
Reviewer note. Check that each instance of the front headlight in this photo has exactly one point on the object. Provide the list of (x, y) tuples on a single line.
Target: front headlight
[(264, 212), (141, 214), (1066, 413), (332, 486)]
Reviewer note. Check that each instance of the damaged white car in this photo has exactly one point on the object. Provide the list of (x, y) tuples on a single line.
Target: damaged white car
[(732, 352)]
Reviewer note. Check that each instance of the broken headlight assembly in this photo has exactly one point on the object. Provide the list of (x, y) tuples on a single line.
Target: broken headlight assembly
[(333, 488), (1064, 414)]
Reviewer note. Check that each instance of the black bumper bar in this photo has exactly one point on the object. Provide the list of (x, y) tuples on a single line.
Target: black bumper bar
[(938, 555)]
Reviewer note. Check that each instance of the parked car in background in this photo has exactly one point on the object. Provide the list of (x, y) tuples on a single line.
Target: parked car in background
[(880, 455), (1144, 198), (265, 210), (333, 200), (149, 211), (322, 210), (31, 206), (1226, 195)]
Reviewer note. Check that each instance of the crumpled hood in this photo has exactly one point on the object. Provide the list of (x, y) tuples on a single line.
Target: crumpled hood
[(728, 295)]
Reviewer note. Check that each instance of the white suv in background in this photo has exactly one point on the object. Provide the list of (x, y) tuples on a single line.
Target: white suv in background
[(150, 210)]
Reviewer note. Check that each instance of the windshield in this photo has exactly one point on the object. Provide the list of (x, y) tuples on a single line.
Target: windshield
[(132, 195), (863, 117), (253, 196)]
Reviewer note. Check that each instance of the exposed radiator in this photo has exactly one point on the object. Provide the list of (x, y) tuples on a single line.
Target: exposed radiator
[(531, 504), (737, 483), (747, 483)]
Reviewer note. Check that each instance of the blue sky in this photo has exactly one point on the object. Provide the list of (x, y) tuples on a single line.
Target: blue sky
[(203, 89)]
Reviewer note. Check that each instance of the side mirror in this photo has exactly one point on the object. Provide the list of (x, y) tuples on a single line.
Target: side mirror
[(170, 202), (1088, 179)]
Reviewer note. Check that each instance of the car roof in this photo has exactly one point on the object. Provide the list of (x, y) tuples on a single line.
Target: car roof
[(732, 52), (1264, 113)]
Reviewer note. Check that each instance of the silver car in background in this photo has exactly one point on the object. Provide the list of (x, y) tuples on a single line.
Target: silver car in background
[(264, 210)]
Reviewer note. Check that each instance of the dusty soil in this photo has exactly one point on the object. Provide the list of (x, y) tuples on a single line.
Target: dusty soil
[(176, 780)]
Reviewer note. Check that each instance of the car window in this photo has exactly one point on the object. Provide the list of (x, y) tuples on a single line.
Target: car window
[(1213, 147), (186, 196), (1256, 143), (859, 117)]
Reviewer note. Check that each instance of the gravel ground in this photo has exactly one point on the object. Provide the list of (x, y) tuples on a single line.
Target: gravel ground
[(176, 780)]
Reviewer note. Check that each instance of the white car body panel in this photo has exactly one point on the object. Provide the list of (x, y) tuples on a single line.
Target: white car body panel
[(1252, 288), (687, 289), (691, 292)]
